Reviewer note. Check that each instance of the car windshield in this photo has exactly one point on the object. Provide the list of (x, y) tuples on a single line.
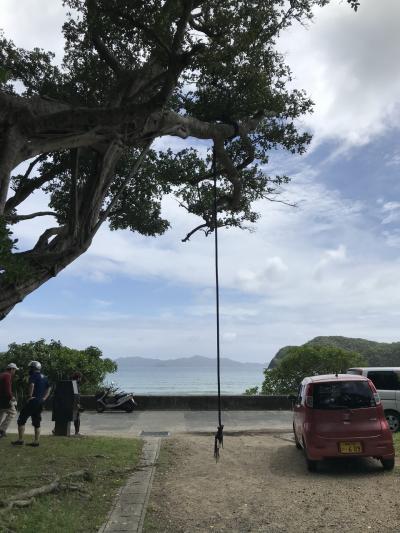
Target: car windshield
[(343, 395)]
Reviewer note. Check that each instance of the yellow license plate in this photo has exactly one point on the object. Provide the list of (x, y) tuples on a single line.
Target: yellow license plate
[(350, 447)]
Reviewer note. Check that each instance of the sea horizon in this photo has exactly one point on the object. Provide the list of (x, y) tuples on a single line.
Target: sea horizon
[(166, 381)]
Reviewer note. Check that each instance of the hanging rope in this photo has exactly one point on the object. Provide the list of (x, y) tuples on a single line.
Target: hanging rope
[(219, 436)]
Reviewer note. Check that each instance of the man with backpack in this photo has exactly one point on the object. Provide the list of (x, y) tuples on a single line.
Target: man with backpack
[(38, 392)]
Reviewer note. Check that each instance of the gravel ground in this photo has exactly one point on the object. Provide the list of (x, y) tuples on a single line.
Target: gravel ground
[(261, 485)]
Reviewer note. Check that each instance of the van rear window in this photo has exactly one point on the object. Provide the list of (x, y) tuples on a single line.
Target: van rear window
[(342, 395)]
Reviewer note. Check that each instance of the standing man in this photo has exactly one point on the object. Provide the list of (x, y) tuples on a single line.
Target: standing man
[(7, 400), (38, 392)]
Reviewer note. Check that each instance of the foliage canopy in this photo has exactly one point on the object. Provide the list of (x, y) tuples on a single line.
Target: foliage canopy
[(133, 72), (58, 362), (374, 353), (302, 361)]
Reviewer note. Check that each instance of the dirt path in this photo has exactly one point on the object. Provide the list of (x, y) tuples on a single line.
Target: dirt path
[(261, 485)]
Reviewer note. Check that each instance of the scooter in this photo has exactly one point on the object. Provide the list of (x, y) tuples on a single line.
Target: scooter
[(112, 398)]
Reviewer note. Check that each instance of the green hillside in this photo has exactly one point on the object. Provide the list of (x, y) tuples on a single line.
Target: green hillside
[(376, 353)]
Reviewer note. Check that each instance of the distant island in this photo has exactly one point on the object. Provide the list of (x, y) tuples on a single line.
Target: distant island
[(194, 362), (376, 353)]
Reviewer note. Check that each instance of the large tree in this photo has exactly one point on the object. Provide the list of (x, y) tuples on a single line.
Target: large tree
[(59, 362), (134, 71)]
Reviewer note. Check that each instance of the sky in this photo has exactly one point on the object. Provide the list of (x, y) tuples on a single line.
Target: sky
[(329, 266)]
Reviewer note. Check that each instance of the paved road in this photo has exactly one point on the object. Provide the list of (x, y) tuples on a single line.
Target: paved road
[(132, 424)]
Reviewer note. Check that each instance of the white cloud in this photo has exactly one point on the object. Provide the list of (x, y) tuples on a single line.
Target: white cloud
[(271, 274), (34, 23), (392, 238), (229, 336), (331, 259), (392, 212), (347, 63), (393, 159), (101, 303)]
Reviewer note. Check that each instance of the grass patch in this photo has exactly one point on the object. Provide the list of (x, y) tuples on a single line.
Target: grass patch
[(24, 468)]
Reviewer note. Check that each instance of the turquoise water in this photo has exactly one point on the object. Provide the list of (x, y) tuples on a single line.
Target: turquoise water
[(165, 381)]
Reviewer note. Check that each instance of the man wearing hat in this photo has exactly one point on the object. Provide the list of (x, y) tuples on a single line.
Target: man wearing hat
[(38, 392), (7, 400)]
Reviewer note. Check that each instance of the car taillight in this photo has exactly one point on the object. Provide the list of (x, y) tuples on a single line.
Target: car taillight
[(384, 424), (309, 396), (377, 399)]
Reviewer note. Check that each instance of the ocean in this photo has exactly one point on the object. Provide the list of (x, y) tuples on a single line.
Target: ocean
[(172, 381)]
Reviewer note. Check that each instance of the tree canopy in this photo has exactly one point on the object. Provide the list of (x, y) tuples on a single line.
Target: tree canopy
[(375, 353), (133, 72), (58, 362), (302, 361)]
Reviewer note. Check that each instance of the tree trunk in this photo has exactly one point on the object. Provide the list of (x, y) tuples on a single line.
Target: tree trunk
[(39, 267), (10, 143)]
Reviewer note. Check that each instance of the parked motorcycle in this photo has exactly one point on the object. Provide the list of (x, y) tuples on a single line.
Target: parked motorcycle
[(112, 398)]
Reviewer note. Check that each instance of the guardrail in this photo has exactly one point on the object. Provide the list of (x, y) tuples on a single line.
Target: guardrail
[(204, 403)]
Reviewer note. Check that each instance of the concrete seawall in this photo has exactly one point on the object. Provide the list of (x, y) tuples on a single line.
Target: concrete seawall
[(204, 403)]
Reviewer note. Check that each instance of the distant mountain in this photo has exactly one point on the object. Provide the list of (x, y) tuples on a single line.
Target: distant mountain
[(376, 353), (195, 362)]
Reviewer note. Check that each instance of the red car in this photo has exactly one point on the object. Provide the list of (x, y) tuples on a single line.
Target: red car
[(340, 415)]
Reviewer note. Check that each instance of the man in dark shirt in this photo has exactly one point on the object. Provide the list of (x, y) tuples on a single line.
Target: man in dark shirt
[(38, 393), (7, 400)]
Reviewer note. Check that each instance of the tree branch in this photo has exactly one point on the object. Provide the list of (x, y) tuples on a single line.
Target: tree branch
[(17, 218), (37, 160), (24, 190), (172, 123), (44, 238), (231, 173), (117, 195), (205, 225), (273, 200), (104, 53), (181, 25), (73, 214)]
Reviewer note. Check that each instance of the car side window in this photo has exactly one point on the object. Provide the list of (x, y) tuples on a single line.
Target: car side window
[(384, 379)]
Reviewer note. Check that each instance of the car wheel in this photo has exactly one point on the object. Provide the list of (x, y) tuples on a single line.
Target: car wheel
[(129, 407), (388, 464), (311, 463), (99, 407), (393, 419), (296, 440)]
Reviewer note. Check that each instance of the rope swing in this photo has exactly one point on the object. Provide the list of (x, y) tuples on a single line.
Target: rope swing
[(219, 436)]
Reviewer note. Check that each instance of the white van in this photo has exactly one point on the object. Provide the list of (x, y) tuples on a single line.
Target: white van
[(387, 383)]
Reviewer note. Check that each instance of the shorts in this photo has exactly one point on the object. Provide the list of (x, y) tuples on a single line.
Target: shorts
[(31, 409)]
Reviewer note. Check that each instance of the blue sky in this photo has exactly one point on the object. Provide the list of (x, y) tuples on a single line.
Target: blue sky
[(330, 266)]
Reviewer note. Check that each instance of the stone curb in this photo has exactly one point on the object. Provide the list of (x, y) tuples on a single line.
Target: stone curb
[(129, 509)]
